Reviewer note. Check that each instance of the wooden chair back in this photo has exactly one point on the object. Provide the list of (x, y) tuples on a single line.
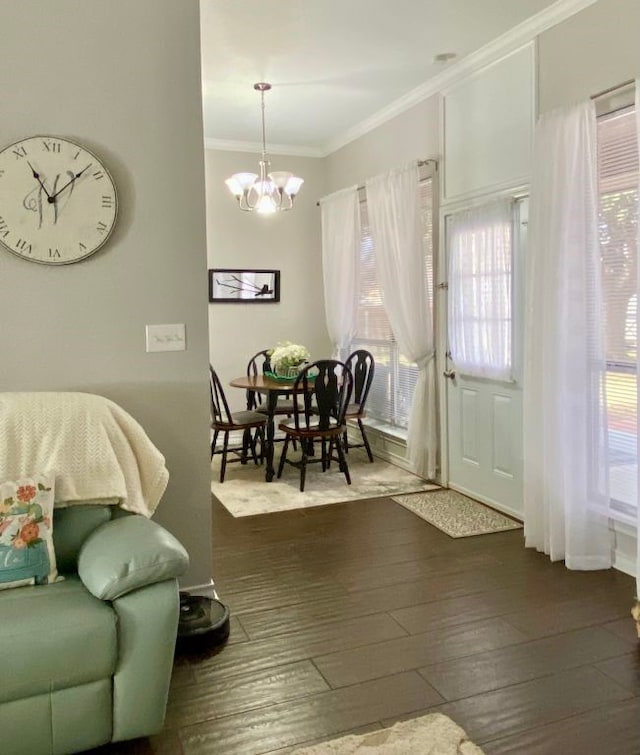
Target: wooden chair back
[(321, 394), (362, 366), (257, 365), (220, 414)]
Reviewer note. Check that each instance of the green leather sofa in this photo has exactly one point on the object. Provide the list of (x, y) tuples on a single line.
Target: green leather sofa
[(88, 660)]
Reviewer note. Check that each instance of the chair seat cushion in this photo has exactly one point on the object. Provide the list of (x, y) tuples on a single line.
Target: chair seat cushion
[(243, 419), (354, 410), (286, 408), (313, 429), (248, 418), (53, 637)]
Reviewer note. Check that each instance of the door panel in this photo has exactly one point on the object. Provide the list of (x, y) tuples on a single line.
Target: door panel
[(503, 462), (484, 417), (468, 425), (485, 442)]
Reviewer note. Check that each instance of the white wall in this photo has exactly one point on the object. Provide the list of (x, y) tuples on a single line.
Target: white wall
[(487, 127), (289, 242), (123, 78)]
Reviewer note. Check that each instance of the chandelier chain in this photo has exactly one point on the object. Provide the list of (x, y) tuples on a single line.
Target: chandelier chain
[(264, 132), (265, 193)]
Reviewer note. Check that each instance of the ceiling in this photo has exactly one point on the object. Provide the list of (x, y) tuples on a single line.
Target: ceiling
[(333, 64)]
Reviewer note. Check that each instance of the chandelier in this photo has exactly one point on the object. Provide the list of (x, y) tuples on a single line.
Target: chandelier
[(265, 193)]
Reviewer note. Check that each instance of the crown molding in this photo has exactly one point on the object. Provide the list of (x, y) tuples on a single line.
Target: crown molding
[(490, 53), (227, 145)]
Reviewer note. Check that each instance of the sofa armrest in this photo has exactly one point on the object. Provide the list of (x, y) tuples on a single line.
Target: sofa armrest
[(128, 553)]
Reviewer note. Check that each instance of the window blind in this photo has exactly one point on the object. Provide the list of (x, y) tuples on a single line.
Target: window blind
[(618, 227), (395, 377)]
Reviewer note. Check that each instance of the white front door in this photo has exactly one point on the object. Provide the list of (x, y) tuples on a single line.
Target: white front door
[(484, 415)]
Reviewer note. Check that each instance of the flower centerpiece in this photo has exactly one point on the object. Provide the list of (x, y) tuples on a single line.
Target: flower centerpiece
[(288, 358)]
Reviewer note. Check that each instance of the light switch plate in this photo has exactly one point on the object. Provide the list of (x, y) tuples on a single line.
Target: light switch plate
[(166, 337)]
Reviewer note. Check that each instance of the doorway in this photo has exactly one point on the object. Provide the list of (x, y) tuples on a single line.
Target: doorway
[(483, 425)]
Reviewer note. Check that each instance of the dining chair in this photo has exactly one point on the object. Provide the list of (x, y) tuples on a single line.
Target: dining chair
[(321, 394), (259, 364), (224, 421), (362, 366)]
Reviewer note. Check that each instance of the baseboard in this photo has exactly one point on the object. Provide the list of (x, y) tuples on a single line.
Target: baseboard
[(625, 547), (207, 589), (383, 446), (624, 563)]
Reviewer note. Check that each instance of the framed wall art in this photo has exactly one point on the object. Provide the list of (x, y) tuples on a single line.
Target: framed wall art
[(246, 286)]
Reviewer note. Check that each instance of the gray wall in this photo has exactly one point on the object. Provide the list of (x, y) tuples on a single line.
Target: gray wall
[(411, 135), (123, 78), (595, 49), (289, 242)]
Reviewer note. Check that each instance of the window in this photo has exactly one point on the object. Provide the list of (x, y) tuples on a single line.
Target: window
[(480, 242), (395, 376), (618, 225)]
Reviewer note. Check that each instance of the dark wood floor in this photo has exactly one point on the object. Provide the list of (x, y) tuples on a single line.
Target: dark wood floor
[(352, 616)]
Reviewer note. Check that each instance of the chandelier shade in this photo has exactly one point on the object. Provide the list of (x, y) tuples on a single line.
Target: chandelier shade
[(264, 192)]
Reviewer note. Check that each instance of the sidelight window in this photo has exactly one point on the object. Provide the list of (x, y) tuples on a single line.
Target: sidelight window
[(395, 376), (618, 237)]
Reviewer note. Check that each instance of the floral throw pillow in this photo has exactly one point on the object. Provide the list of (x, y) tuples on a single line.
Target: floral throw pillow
[(26, 544)]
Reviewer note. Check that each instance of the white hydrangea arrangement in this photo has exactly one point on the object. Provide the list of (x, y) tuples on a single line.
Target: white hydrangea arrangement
[(287, 357)]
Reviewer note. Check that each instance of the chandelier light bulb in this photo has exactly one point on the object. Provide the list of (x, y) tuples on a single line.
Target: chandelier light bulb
[(265, 193), (266, 205)]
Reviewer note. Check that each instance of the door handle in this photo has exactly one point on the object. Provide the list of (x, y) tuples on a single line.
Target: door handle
[(451, 374)]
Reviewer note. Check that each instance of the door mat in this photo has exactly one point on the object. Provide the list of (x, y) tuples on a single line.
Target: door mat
[(455, 514)]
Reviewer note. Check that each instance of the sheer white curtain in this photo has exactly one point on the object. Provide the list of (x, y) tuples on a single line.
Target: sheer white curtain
[(637, 101), (394, 215), (340, 253), (479, 298), (565, 470)]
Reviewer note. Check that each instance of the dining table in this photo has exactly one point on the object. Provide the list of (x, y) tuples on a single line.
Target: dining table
[(271, 388)]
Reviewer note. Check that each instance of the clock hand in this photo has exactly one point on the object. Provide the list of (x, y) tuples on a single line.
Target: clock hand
[(37, 177), (52, 198)]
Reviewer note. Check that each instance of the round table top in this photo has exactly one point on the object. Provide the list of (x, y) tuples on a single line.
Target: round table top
[(261, 383)]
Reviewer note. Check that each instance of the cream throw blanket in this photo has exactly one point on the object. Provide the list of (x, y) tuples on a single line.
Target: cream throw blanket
[(97, 451)]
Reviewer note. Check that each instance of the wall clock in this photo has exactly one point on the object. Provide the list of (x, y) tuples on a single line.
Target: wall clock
[(58, 203)]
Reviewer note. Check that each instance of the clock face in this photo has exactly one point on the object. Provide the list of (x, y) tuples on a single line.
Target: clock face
[(58, 202)]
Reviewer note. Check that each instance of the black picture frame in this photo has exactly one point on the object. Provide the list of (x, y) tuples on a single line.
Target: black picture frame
[(244, 286)]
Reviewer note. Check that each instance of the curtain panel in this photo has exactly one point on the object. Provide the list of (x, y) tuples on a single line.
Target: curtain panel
[(637, 101), (565, 443), (393, 205), (340, 253)]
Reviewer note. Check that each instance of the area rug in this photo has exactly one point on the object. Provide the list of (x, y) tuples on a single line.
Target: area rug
[(456, 514), (244, 491), (433, 734)]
